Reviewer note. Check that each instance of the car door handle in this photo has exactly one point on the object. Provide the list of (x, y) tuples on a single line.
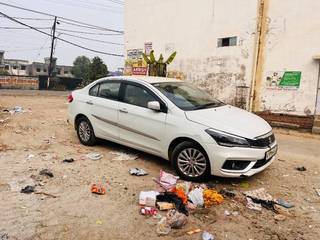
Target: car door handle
[(89, 102), (123, 110)]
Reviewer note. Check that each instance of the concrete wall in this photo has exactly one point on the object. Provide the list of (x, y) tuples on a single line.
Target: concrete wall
[(19, 82), (192, 28), (292, 41)]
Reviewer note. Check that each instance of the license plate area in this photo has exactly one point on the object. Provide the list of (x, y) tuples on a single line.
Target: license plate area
[(273, 151)]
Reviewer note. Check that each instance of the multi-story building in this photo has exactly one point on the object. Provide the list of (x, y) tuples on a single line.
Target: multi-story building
[(262, 55), (24, 68)]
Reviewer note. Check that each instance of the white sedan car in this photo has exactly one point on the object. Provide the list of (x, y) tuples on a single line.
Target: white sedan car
[(175, 120)]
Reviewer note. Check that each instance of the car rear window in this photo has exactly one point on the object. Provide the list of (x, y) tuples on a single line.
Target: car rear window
[(94, 90), (109, 90)]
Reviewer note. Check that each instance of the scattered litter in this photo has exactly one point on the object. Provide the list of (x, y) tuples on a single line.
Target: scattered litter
[(46, 172), (301, 169), (137, 172), (279, 217), (4, 236), (211, 197), (167, 180), (207, 236), (46, 194), (317, 191), (148, 198), (165, 206), (180, 193), (99, 222), (98, 189), (173, 198), (252, 205), (227, 193), (197, 230), (18, 131), (227, 213), (176, 219), (16, 109), (94, 156), (259, 193), (148, 211), (68, 160), (235, 213), (284, 203), (163, 228), (196, 196), (121, 156), (30, 156), (185, 186), (244, 185), (261, 197), (28, 189)]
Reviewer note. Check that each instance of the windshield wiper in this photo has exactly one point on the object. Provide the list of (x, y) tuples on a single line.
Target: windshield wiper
[(214, 104)]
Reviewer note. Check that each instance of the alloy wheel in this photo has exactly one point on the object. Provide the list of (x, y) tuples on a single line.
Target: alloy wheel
[(192, 162), (84, 131)]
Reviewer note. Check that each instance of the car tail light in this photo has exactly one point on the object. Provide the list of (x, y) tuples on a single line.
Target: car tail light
[(70, 98)]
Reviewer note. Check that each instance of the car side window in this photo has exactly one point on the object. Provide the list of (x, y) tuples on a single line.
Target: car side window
[(109, 90), (137, 96), (94, 90)]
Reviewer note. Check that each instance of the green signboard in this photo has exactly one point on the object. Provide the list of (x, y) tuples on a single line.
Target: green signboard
[(290, 79)]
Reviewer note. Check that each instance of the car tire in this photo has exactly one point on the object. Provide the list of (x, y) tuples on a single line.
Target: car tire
[(191, 161), (85, 132)]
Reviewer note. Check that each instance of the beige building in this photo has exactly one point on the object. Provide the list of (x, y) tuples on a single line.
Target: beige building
[(262, 55), (20, 67)]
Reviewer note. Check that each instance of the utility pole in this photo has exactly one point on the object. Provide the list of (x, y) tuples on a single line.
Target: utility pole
[(51, 53)]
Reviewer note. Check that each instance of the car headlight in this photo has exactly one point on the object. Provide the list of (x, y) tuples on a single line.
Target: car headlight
[(227, 139)]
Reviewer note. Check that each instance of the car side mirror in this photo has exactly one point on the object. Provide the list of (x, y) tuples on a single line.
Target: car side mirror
[(154, 105)]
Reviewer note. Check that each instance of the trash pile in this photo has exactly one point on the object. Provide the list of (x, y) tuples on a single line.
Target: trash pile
[(174, 201)]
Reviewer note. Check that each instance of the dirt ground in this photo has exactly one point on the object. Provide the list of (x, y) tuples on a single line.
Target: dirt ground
[(41, 138)]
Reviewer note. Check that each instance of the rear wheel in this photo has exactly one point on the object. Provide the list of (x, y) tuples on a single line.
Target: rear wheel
[(191, 161), (85, 132)]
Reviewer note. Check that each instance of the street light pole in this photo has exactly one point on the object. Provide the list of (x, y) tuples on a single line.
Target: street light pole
[(51, 53)]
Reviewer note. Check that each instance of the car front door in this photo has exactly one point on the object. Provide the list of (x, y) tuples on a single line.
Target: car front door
[(105, 105), (140, 126)]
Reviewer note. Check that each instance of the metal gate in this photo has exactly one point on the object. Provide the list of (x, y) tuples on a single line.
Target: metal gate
[(43, 82)]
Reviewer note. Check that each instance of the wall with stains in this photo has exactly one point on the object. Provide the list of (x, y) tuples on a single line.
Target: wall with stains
[(293, 37), (192, 28)]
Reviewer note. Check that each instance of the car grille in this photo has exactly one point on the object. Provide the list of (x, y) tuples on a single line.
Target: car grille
[(262, 142)]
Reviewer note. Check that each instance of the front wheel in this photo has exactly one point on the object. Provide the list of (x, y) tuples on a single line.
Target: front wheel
[(85, 132), (191, 161)]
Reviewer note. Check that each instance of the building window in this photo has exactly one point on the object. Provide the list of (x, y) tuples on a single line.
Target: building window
[(45, 70), (23, 67), (227, 42), (65, 71), (14, 66), (6, 67), (38, 70)]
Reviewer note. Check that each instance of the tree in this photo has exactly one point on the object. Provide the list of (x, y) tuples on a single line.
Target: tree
[(4, 72), (158, 68), (81, 67), (97, 69)]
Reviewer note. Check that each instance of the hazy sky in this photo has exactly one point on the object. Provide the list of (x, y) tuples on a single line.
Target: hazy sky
[(34, 46)]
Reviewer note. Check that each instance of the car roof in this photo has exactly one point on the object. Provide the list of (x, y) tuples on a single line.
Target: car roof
[(147, 79)]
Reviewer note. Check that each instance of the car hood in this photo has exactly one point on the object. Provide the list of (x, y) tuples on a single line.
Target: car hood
[(231, 120)]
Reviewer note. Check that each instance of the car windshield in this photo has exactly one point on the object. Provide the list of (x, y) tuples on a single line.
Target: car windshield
[(186, 96)]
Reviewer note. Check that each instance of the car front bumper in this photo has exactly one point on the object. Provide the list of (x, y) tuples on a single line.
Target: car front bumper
[(255, 159)]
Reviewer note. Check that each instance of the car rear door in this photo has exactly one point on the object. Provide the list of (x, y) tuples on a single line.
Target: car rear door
[(139, 126), (104, 110)]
